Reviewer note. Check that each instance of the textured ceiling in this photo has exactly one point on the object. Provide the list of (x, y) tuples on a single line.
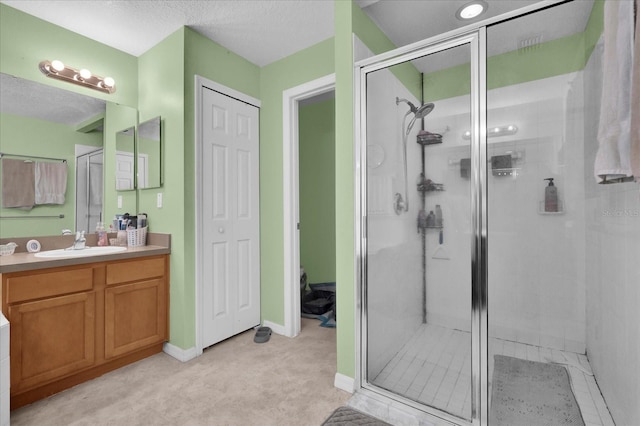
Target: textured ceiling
[(261, 31), (27, 98)]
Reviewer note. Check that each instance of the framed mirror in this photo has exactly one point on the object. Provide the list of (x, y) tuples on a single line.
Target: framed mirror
[(149, 157), (125, 159)]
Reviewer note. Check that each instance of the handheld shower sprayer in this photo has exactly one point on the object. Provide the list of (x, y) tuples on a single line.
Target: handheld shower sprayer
[(401, 204)]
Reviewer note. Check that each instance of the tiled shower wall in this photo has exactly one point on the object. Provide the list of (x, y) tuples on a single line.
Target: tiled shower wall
[(613, 274), (536, 261)]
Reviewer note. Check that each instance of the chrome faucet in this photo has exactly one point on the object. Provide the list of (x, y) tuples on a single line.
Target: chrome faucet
[(79, 243)]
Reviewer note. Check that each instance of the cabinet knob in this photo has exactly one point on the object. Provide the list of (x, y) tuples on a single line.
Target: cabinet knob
[(221, 230)]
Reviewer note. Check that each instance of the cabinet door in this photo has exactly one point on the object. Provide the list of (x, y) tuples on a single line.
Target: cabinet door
[(51, 338), (135, 316)]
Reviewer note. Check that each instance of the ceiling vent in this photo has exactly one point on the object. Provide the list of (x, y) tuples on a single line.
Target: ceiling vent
[(529, 44)]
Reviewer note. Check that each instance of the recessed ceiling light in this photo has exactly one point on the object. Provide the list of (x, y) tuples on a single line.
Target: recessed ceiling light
[(472, 10)]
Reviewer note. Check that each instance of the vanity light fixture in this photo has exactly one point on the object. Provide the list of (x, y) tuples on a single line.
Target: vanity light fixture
[(495, 131), (472, 10), (82, 77)]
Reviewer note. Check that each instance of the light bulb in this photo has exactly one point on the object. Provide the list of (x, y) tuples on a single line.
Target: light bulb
[(57, 65), (108, 82), (471, 11), (85, 74)]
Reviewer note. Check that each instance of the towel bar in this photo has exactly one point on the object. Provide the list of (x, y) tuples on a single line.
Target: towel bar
[(56, 216), (2, 154)]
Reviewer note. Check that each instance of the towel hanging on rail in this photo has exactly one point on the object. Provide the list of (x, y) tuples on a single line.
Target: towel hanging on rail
[(50, 183), (17, 184), (613, 160)]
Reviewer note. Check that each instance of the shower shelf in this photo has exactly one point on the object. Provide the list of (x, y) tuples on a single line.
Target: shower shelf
[(543, 212), (434, 187)]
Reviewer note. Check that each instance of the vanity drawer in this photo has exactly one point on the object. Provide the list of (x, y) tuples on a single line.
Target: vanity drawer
[(47, 284), (135, 270)]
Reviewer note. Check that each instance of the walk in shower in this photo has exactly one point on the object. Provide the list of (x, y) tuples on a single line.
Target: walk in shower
[(479, 297), (89, 184)]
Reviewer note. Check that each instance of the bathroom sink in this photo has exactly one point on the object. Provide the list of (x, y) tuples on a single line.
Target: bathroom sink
[(89, 251)]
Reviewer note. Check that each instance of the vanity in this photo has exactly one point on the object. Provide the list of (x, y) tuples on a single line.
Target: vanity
[(73, 319)]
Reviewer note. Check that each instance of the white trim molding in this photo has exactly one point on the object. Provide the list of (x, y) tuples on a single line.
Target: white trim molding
[(344, 383), (180, 354), (276, 328), (290, 185)]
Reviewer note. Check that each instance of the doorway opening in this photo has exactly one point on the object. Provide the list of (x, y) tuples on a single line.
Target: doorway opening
[(293, 100)]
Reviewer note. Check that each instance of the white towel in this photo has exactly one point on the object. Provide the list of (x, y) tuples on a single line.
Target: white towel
[(50, 182), (95, 184), (635, 99), (613, 160)]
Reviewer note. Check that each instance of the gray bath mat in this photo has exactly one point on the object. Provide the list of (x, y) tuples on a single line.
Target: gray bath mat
[(532, 393), (348, 416)]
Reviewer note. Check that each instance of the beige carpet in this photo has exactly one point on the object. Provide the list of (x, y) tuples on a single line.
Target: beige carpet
[(237, 382)]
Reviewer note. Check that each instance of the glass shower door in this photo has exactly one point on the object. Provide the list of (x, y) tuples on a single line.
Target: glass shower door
[(417, 286)]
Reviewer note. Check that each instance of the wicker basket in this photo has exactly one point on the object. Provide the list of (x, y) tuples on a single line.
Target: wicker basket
[(137, 237)]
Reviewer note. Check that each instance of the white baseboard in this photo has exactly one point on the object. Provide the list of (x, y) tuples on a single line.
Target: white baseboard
[(180, 354), (344, 383), (276, 328)]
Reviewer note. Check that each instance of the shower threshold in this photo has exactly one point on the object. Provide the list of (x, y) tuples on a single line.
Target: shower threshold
[(434, 369)]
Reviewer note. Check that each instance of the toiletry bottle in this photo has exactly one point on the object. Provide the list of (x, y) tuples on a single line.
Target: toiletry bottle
[(431, 220), (422, 220), (102, 235), (550, 197), (438, 216)]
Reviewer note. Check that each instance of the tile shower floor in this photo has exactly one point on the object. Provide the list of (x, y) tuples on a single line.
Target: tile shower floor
[(434, 368)]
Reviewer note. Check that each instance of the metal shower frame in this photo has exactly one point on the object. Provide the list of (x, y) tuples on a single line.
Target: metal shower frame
[(473, 35)]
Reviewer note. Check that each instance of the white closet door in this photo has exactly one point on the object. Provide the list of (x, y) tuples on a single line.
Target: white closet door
[(230, 212)]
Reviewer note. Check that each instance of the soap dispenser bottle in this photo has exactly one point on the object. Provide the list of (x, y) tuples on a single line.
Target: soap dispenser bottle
[(102, 235), (550, 197)]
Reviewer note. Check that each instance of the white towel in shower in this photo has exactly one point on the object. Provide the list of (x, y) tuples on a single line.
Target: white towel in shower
[(613, 160), (95, 184), (50, 182), (635, 99)]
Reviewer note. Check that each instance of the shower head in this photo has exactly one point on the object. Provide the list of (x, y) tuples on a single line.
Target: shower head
[(419, 112), (424, 110)]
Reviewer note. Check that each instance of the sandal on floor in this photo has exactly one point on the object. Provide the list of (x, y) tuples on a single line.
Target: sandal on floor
[(262, 335)]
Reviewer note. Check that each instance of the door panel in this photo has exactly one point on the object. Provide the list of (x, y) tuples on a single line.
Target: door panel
[(418, 253), (230, 217)]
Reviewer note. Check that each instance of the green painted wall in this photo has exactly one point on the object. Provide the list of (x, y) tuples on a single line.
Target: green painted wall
[(316, 124), (161, 93), (369, 33), (345, 201), (301, 67), (150, 148), (27, 136), (26, 40), (548, 59)]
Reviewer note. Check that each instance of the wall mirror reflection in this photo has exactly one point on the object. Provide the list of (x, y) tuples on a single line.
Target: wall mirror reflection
[(38, 120), (125, 159), (149, 165)]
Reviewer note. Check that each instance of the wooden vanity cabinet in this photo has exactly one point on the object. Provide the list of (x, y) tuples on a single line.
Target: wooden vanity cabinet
[(53, 327), (135, 300), (73, 323)]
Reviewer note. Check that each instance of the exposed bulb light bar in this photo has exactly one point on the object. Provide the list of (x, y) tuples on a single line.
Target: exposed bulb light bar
[(495, 131), (83, 77)]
